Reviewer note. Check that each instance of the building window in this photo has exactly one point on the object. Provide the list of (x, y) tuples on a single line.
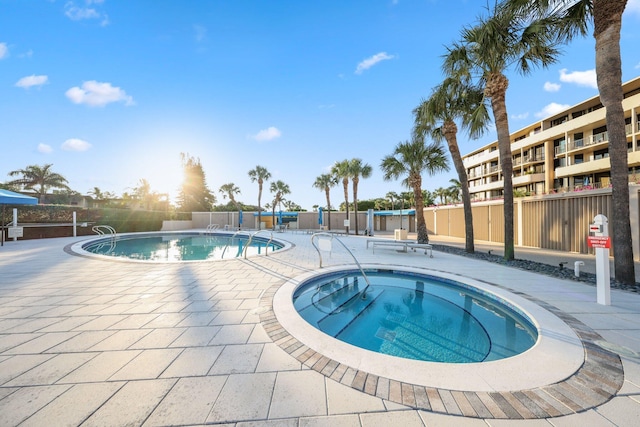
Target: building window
[(600, 154), (578, 158)]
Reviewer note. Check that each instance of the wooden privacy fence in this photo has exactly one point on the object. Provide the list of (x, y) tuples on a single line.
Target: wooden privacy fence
[(556, 221)]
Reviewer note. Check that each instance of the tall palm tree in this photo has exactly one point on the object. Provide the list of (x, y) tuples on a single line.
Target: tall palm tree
[(230, 190), (39, 179), (450, 101), (341, 171), (358, 170), (324, 183), (455, 190), (486, 51), (412, 159), (259, 174), (574, 18), (279, 190)]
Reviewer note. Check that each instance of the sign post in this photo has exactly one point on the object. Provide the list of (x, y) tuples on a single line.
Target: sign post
[(599, 239)]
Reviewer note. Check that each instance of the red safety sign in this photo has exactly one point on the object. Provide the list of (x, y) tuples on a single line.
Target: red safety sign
[(599, 241)]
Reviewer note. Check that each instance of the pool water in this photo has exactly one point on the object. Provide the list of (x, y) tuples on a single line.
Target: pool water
[(414, 316), (180, 247)]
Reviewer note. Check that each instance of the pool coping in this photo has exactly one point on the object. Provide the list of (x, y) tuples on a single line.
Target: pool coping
[(78, 250), (583, 383)]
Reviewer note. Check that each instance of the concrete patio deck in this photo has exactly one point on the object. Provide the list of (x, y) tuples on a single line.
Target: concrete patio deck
[(86, 341)]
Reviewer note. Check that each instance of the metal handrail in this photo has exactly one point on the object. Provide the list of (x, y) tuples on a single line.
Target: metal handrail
[(229, 243), (212, 227), (266, 249), (98, 229), (332, 236)]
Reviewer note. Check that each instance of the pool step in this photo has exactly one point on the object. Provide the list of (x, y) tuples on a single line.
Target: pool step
[(334, 292), (339, 320)]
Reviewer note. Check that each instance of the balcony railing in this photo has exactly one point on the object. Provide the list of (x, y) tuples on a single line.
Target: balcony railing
[(597, 138)]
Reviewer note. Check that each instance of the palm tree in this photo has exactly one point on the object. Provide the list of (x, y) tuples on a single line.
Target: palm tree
[(455, 190), (230, 190), (453, 100), (412, 159), (259, 174), (441, 193), (392, 196), (358, 170), (324, 183), (279, 189), (486, 51), (39, 179), (341, 171), (572, 19)]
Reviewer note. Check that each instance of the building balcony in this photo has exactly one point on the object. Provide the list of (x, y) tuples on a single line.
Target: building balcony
[(528, 178), (584, 168)]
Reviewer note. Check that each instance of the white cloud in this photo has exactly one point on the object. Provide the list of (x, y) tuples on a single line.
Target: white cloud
[(44, 148), (4, 50), (29, 81), (552, 109), (267, 134), (75, 144), (633, 6), (98, 94), (86, 11), (371, 61), (521, 116), (581, 78), (551, 87)]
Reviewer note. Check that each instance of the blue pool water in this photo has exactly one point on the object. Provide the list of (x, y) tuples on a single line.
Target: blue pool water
[(414, 316), (180, 247)]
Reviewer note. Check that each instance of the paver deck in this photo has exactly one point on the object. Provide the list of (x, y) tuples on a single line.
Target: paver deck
[(86, 341)]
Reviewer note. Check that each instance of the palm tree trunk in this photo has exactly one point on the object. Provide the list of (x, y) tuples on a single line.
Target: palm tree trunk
[(355, 205), (421, 225), (608, 22), (450, 130), (346, 201), (328, 209), (499, 108)]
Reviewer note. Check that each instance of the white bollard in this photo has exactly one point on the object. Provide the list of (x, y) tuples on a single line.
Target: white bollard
[(576, 268)]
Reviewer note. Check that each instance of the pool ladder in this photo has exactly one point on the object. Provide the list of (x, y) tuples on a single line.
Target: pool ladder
[(104, 230), (249, 240), (331, 237)]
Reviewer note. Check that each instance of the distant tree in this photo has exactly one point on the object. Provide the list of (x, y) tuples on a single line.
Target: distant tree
[(357, 170), (454, 190), (39, 179), (342, 172), (324, 183), (259, 174), (279, 190), (230, 190), (393, 197), (194, 195), (412, 159)]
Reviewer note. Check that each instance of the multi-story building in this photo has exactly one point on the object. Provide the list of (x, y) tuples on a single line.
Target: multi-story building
[(564, 152)]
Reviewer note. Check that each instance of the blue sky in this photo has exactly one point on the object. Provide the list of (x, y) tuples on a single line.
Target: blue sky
[(112, 91)]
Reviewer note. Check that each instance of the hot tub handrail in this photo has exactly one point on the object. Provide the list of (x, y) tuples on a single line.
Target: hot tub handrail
[(332, 237), (266, 249)]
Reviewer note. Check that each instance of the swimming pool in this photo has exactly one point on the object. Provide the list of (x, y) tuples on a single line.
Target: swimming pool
[(181, 246), (414, 316)]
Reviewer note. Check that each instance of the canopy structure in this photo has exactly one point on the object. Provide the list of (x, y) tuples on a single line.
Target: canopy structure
[(11, 198)]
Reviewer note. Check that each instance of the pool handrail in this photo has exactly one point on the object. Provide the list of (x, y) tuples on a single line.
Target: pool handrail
[(331, 237), (266, 248), (212, 227), (98, 229), (229, 243)]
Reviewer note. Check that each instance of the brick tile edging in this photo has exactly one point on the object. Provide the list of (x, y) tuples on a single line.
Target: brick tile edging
[(596, 382)]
